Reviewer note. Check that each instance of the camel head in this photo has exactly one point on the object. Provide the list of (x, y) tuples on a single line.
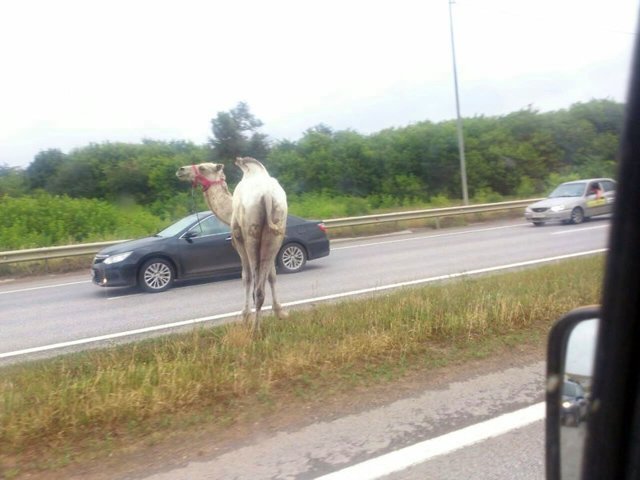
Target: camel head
[(205, 174)]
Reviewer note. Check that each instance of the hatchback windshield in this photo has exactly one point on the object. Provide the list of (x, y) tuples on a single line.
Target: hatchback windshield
[(571, 390), (568, 190)]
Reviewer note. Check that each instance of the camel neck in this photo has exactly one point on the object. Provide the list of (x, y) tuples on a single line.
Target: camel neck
[(219, 200)]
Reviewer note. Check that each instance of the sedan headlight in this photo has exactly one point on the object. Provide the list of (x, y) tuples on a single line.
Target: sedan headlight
[(117, 258), (557, 208), (566, 404)]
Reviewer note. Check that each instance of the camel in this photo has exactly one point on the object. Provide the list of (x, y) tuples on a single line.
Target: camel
[(257, 215)]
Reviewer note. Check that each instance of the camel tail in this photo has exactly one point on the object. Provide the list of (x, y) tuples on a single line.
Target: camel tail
[(273, 226)]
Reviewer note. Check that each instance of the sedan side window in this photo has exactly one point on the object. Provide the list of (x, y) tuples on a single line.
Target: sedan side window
[(210, 226)]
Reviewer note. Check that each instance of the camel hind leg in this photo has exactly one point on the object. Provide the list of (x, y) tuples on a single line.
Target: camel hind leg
[(269, 248), (255, 287), (258, 298)]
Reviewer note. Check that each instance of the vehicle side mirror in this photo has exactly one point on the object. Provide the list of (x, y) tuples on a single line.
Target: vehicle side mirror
[(570, 357), (189, 235)]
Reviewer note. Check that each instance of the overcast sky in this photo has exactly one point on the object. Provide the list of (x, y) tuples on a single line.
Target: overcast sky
[(76, 72)]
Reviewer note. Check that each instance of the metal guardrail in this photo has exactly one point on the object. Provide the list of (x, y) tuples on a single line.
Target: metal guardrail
[(48, 253), (33, 254), (431, 213)]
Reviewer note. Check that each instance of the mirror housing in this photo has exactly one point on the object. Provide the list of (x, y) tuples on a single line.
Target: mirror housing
[(557, 350), (189, 235)]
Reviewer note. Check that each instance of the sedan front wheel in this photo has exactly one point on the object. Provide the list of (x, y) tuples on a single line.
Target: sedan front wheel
[(577, 215), (156, 275)]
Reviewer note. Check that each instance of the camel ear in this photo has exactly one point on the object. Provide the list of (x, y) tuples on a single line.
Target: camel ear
[(219, 167)]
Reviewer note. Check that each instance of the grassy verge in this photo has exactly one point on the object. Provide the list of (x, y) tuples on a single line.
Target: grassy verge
[(56, 411)]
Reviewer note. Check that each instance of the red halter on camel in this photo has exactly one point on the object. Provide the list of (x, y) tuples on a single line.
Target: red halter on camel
[(200, 179)]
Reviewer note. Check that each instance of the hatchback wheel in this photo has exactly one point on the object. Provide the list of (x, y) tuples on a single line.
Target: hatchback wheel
[(156, 275), (577, 215), (292, 258)]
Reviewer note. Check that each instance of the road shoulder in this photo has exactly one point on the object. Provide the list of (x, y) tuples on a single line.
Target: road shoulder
[(183, 454)]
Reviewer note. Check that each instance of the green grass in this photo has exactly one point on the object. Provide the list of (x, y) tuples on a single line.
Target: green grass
[(55, 411)]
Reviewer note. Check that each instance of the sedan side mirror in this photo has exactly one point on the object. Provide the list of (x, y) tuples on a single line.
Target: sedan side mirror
[(189, 235), (570, 357)]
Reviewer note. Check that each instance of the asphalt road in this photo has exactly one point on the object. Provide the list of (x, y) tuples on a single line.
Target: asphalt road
[(335, 449), (48, 315)]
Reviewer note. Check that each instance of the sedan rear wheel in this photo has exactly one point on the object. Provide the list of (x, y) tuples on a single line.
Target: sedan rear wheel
[(292, 258), (577, 215), (156, 275)]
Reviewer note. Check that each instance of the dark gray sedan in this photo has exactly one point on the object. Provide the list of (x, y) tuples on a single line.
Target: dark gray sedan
[(196, 246)]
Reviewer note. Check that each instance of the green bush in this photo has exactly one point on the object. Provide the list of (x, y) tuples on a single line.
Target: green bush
[(43, 220), (440, 201), (526, 188), (486, 195), (324, 205)]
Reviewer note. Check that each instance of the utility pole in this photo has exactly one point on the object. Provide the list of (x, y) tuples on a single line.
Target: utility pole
[(463, 167)]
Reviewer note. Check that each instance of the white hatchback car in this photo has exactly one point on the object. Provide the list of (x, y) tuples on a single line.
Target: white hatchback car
[(572, 202)]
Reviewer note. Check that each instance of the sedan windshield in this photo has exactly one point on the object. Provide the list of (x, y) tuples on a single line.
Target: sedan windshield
[(177, 227), (568, 190)]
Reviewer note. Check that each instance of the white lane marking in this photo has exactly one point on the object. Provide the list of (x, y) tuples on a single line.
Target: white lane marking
[(31, 289), (578, 230), (427, 237), (334, 296), (112, 336), (126, 296), (424, 451)]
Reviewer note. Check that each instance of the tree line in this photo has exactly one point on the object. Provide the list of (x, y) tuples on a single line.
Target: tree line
[(516, 154)]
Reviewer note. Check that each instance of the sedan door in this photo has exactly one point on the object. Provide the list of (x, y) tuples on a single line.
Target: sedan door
[(596, 203), (206, 248), (609, 187)]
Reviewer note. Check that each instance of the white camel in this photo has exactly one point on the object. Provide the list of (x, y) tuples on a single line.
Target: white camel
[(257, 215)]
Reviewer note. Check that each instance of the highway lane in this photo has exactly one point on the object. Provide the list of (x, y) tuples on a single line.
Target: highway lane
[(45, 311)]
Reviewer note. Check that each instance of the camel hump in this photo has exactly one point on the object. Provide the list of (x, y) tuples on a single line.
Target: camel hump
[(250, 165)]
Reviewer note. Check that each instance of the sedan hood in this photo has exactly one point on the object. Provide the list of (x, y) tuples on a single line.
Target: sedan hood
[(130, 245), (552, 202)]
